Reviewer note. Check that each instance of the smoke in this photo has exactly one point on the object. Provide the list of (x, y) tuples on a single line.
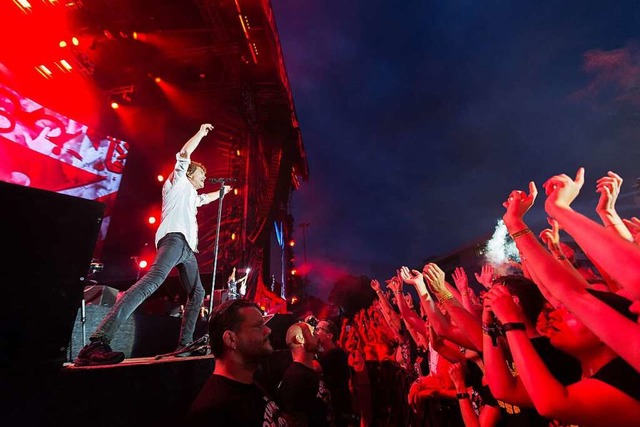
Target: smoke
[(501, 251)]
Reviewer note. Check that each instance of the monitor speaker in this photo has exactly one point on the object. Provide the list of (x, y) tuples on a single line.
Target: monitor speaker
[(49, 243)]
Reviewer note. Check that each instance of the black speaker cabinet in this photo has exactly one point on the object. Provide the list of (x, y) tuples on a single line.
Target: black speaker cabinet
[(49, 239)]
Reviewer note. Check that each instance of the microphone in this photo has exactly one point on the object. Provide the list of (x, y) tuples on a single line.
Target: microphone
[(221, 180)]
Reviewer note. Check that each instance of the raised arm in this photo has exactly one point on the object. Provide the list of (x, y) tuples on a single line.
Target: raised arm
[(412, 321), (462, 283), (194, 141), (441, 324), (569, 287), (609, 189), (389, 314), (612, 253), (588, 401), (468, 323)]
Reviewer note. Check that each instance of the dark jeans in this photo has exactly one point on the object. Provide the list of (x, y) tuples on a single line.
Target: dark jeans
[(173, 251)]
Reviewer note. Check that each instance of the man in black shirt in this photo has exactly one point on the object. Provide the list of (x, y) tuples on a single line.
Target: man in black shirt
[(302, 392), (239, 341), (335, 371)]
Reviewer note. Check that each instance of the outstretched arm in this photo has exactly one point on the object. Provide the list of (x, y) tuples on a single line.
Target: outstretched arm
[(194, 141), (612, 253), (569, 287), (215, 195)]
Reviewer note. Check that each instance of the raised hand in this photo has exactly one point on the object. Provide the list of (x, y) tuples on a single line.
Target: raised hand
[(412, 277), (456, 372), (609, 189), (394, 284), (551, 236), (561, 190), (205, 128), (518, 204), (501, 302), (485, 278), (435, 278), (461, 280), (375, 285)]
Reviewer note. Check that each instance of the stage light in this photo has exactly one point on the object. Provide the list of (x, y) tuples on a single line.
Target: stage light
[(233, 236), (135, 35), (143, 264), (160, 178), (248, 270), (65, 64), (24, 5), (75, 41), (158, 79), (235, 191), (203, 75), (115, 105), (292, 243), (62, 43), (152, 220), (294, 272), (238, 152), (294, 300)]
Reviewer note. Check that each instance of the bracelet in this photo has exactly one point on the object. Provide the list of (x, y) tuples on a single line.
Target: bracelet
[(521, 233), (513, 326), (445, 297), (462, 396)]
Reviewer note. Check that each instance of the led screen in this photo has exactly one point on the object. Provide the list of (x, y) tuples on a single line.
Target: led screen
[(44, 149)]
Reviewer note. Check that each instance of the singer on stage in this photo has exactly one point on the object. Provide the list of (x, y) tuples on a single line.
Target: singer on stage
[(176, 242)]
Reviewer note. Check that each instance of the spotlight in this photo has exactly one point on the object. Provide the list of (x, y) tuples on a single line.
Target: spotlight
[(62, 43), (75, 41), (158, 79), (115, 105)]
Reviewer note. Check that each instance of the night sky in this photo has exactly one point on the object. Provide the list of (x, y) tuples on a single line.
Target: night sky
[(419, 117)]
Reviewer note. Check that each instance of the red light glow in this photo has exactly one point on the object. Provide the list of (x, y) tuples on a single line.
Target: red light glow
[(160, 178), (152, 220), (115, 105), (143, 264)]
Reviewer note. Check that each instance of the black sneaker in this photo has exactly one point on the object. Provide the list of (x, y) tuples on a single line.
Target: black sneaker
[(98, 353)]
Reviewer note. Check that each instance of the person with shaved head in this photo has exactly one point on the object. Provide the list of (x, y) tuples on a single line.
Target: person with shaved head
[(302, 392)]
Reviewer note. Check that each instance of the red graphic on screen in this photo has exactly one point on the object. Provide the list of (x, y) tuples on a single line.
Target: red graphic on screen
[(43, 149)]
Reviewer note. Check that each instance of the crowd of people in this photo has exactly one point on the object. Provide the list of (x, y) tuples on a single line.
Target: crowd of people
[(553, 343)]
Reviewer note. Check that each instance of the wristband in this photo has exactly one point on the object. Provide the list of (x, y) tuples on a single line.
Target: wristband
[(521, 233), (445, 297), (462, 396), (513, 326)]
